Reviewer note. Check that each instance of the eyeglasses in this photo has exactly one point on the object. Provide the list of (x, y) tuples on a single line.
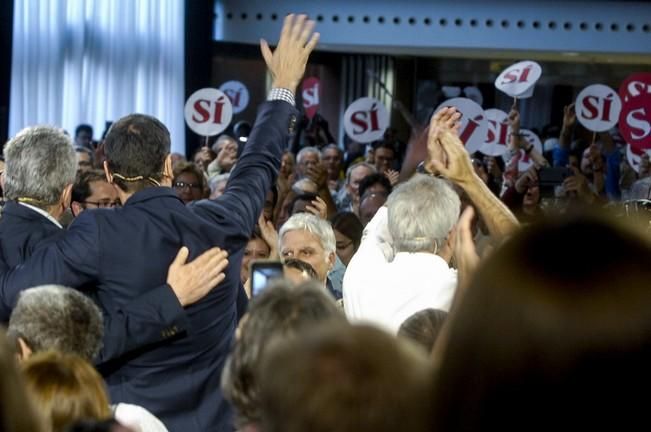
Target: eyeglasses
[(343, 245), (103, 204), (183, 185)]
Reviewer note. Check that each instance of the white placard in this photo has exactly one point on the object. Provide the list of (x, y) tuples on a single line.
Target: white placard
[(525, 161), (518, 80), (473, 93), (634, 159), (208, 111), (366, 119), (497, 135), (597, 107), (473, 122), (237, 93)]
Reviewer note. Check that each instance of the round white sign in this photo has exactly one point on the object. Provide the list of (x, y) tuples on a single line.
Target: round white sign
[(525, 161), (497, 135), (519, 79), (473, 122), (634, 158), (208, 111), (366, 119), (237, 93), (597, 107)]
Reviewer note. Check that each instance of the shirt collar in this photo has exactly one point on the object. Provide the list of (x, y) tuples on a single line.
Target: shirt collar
[(42, 212)]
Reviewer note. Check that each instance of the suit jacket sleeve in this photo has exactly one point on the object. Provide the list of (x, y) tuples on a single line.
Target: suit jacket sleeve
[(238, 209)]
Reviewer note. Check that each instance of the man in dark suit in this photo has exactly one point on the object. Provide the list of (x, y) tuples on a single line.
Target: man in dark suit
[(38, 180), (123, 251)]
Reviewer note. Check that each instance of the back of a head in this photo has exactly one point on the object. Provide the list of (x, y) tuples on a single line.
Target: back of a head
[(53, 317), (345, 378), (279, 312), (17, 411), (423, 327), (349, 225), (555, 326), (39, 164), (422, 212), (136, 147), (66, 389)]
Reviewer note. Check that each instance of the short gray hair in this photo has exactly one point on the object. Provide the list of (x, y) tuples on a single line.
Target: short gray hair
[(313, 224), (306, 150), (215, 180), (351, 168), (421, 213), (39, 163), (53, 317)]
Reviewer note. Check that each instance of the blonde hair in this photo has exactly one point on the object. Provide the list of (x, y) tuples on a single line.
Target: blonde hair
[(66, 389)]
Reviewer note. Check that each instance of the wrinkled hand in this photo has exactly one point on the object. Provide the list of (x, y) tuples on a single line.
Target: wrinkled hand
[(569, 116), (393, 176), (318, 174), (578, 184), (287, 63), (454, 163), (318, 208), (227, 156), (465, 253), (447, 118), (269, 235), (192, 281)]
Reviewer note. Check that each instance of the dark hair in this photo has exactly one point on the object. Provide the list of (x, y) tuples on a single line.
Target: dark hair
[(423, 327), (307, 197), (278, 312), (190, 168), (136, 146), (349, 225), (383, 144), (374, 179), (81, 187), (84, 128), (345, 378), (301, 266), (555, 326)]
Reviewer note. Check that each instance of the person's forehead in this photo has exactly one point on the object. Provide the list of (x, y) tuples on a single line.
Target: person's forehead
[(360, 171), (384, 151), (101, 187), (300, 238), (310, 155), (331, 152), (187, 176), (256, 244)]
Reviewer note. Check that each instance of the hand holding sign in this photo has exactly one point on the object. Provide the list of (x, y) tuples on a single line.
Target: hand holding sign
[(518, 80), (310, 94), (287, 63), (597, 107)]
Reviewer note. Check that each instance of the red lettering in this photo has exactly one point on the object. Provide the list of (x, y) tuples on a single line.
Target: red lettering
[(491, 135), (234, 96), (504, 128), (374, 122), (470, 128), (510, 77), (591, 104), (359, 119), (525, 73), (217, 114), (201, 107), (607, 104)]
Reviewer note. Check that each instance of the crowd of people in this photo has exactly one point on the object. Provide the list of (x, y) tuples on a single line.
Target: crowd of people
[(422, 288)]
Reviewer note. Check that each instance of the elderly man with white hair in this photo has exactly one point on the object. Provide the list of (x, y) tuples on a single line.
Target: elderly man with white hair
[(311, 239), (402, 265)]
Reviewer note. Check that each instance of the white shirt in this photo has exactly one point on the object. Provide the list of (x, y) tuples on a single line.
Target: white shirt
[(386, 292), (43, 213), (137, 418)]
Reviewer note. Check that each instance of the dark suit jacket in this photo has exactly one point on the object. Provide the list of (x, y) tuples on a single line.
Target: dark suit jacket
[(126, 251), (22, 231)]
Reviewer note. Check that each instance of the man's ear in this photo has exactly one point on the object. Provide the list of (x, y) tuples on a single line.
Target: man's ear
[(66, 196), (168, 171), (76, 208), (107, 173), (25, 350), (332, 259)]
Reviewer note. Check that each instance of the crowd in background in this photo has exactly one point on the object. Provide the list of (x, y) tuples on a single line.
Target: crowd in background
[(424, 288)]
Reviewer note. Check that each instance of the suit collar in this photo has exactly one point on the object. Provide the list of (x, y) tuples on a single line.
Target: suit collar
[(150, 193), (15, 209)]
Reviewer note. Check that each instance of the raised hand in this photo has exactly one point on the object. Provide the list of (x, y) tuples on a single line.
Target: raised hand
[(269, 235), (465, 253), (318, 174), (514, 120), (227, 156), (447, 118), (318, 207), (393, 176), (453, 160), (569, 116), (192, 281), (287, 62)]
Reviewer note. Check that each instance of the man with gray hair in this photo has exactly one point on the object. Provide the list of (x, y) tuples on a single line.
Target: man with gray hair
[(348, 197), (308, 157), (311, 239), (53, 317), (402, 265)]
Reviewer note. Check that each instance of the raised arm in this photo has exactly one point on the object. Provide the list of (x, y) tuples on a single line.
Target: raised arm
[(454, 163), (257, 167)]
